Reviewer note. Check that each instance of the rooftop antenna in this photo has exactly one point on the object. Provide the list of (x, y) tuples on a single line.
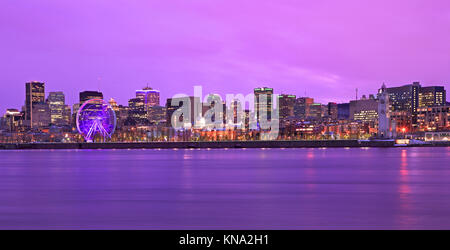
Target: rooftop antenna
[(356, 94)]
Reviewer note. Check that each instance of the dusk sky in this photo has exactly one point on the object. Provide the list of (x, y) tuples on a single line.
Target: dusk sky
[(323, 48)]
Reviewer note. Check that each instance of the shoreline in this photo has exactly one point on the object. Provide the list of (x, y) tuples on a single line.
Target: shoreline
[(218, 144)]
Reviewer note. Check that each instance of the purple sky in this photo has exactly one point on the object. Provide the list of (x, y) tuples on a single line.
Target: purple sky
[(326, 48)]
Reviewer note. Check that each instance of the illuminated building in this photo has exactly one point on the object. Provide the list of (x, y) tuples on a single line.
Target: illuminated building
[(404, 98), (432, 96), (137, 111), (286, 106), (88, 95), (12, 120), (263, 103), (34, 95), (58, 109), (113, 104), (302, 107), (433, 118), (315, 112), (193, 111), (365, 110), (157, 114), (149, 96)]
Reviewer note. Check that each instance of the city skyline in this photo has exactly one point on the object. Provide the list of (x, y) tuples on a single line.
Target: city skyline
[(326, 48)]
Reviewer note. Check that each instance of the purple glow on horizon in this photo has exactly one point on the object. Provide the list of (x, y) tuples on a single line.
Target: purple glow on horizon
[(323, 48)]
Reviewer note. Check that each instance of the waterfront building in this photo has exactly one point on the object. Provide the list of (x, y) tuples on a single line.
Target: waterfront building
[(384, 122), (286, 107), (343, 111), (263, 103), (432, 96), (194, 109), (12, 120), (58, 108), (435, 118), (137, 111), (316, 111), (34, 95), (302, 107), (365, 109), (404, 98), (332, 109), (157, 114)]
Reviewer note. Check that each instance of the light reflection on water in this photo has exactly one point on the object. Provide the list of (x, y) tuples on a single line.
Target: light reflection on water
[(348, 188)]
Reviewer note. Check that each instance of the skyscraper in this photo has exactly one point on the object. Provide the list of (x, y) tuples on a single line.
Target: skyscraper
[(333, 111), (56, 102), (263, 102), (149, 96), (302, 107), (36, 110), (286, 106)]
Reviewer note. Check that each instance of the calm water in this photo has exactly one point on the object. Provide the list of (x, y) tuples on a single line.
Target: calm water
[(372, 188)]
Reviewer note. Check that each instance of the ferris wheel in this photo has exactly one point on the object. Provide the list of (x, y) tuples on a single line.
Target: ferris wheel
[(96, 117)]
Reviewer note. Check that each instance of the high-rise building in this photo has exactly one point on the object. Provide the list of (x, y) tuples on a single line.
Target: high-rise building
[(137, 111), (365, 109), (315, 112), (149, 96), (302, 107), (157, 114), (333, 111), (56, 102), (113, 104), (343, 111), (286, 106), (404, 98), (173, 104), (88, 95), (432, 96), (263, 103), (34, 94)]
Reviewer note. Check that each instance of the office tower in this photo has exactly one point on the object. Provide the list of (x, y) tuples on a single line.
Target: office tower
[(41, 117), (137, 111), (67, 115), (332, 109), (286, 106), (315, 112), (34, 94), (365, 109), (56, 102), (149, 96), (194, 111), (263, 103), (343, 111), (432, 96), (157, 114), (404, 98), (88, 95), (302, 107)]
